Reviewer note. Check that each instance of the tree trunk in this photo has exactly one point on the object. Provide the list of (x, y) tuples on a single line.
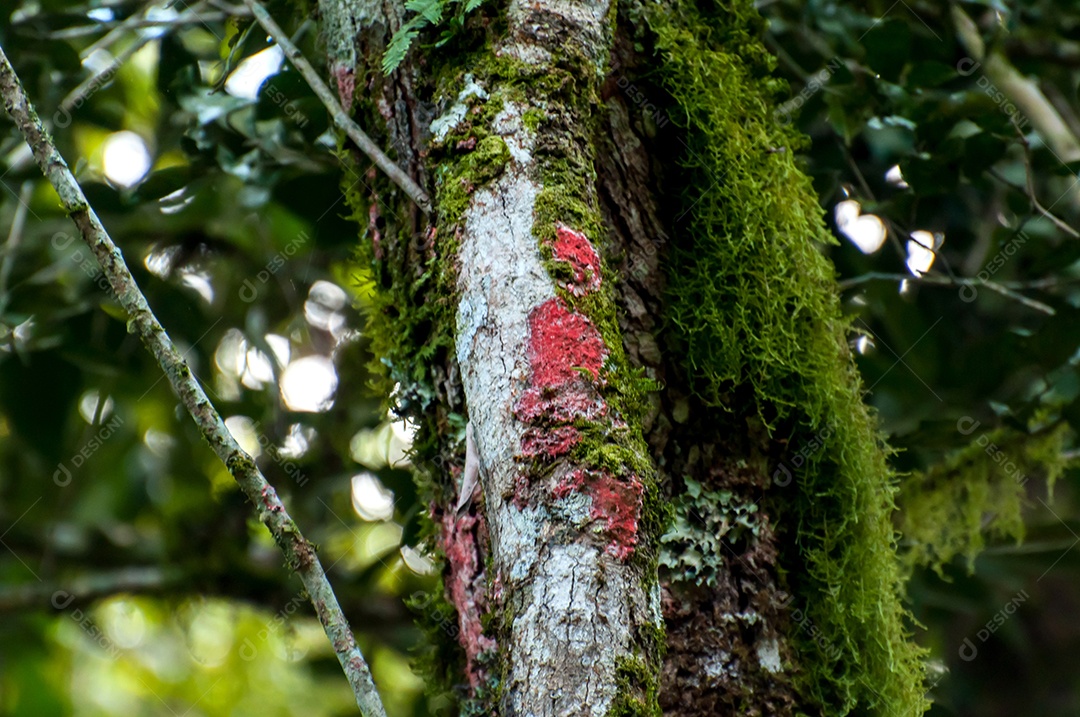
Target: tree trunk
[(619, 306)]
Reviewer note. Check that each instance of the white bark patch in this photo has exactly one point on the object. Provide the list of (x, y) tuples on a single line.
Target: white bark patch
[(453, 116), (768, 654), (501, 279)]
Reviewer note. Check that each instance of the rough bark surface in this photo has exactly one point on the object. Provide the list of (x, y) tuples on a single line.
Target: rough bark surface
[(726, 650), (574, 602)]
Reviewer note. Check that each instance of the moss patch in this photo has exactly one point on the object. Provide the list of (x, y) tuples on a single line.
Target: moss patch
[(975, 493), (753, 305), (636, 694)]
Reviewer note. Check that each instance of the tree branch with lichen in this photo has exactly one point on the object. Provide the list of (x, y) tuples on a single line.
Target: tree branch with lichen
[(299, 552), (338, 114)]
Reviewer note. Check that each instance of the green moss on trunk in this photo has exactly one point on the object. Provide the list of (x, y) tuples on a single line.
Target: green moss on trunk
[(753, 304)]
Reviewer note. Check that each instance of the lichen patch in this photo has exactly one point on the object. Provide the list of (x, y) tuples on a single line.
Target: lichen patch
[(616, 505), (575, 249), (566, 353)]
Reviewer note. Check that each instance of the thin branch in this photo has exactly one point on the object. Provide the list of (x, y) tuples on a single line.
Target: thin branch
[(93, 83), (19, 154), (83, 30), (1035, 203), (337, 113), (1029, 174), (109, 38), (299, 552), (230, 8), (11, 246), (1024, 93), (940, 280), (87, 587)]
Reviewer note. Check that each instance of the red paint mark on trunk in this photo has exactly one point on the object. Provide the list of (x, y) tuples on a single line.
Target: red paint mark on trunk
[(616, 503), (373, 227), (561, 342), (574, 248), (560, 406), (566, 353), (346, 85), (549, 443), (564, 348), (462, 540)]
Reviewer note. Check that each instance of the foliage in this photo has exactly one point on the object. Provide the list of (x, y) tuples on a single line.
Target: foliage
[(874, 87), (976, 493), (429, 13), (236, 236)]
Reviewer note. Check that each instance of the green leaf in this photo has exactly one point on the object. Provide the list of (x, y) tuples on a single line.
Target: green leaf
[(431, 10), (399, 44)]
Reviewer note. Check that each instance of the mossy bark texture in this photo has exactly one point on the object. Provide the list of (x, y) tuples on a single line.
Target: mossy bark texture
[(621, 307)]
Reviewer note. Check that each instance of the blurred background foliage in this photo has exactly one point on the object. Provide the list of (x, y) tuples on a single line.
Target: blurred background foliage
[(133, 579)]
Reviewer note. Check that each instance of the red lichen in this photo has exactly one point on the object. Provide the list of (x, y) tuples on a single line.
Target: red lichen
[(616, 502), (521, 491), (576, 400), (574, 248), (549, 443), (270, 499), (346, 85), (561, 342), (463, 538), (564, 349)]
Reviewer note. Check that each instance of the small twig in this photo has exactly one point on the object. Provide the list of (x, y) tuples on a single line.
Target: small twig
[(940, 280), (1035, 204), (94, 82), (230, 8), (114, 34), (83, 30), (136, 579), (337, 113), (299, 552), (1029, 176), (11, 246)]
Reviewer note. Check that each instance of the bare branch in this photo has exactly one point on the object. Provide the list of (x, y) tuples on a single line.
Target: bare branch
[(337, 113), (299, 552), (84, 30), (940, 280), (11, 246), (135, 579), (1029, 173), (1024, 93)]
